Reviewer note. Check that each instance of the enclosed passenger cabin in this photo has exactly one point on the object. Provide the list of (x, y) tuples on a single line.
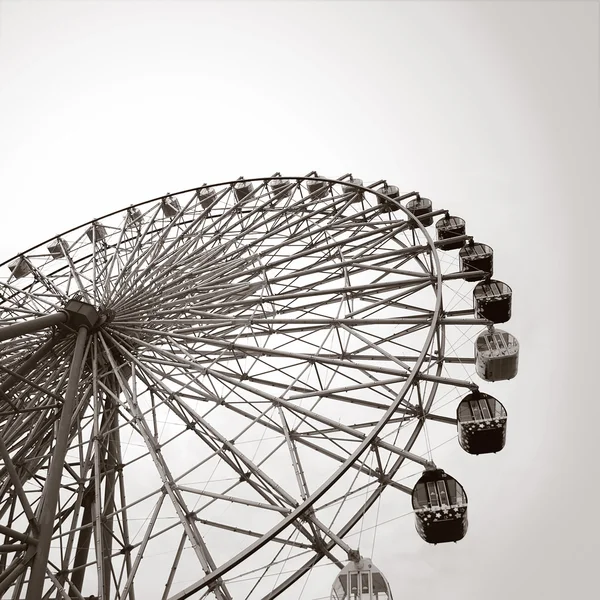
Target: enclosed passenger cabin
[(242, 189), (481, 422), (97, 232), (360, 580), (475, 256), (281, 188), (419, 207), (349, 189), (170, 207), (58, 249), (391, 193), (450, 227), (20, 267), (496, 355), (134, 217), (317, 189), (492, 299), (440, 505), (206, 197)]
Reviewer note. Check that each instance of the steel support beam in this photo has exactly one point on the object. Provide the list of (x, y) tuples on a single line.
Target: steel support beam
[(18, 486), (12, 331), (441, 419), (12, 573), (83, 546), (12, 547), (26, 366), (51, 490), (22, 537)]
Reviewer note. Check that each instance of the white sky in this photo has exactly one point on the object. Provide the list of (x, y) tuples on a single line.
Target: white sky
[(490, 109)]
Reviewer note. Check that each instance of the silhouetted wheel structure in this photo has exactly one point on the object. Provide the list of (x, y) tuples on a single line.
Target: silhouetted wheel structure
[(213, 387)]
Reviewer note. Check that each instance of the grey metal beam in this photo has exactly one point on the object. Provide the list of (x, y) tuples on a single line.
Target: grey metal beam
[(51, 490), (33, 325)]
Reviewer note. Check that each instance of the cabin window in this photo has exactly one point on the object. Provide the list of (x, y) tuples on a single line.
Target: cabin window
[(491, 289), (459, 495), (475, 410), (339, 587), (422, 497), (380, 589), (495, 289), (480, 409), (499, 341), (497, 344), (498, 411), (365, 584), (451, 486), (433, 497), (441, 485), (456, 492), (476, 251), (354, 586), (485, 411)]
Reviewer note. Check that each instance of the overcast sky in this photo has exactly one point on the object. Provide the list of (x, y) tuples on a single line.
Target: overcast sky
[(488, 108)]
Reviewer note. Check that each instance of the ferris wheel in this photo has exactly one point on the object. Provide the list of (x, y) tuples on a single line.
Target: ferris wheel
[(203, 395)]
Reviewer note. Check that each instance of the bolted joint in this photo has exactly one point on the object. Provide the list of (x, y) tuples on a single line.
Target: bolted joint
[(384, 478), (354, 555)]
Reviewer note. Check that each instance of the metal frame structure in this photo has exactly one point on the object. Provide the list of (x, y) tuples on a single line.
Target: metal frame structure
[(230, 377)]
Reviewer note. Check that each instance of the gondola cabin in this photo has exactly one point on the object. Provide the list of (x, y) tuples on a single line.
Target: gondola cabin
[(481, 422), (280, 188), (206, 197), (20, 268), (134, 217), (475, 256), (450, 227), (440, 505), (357, 195), (242, 189), (420, 207), (96, 233), (317, 189), (496, 355), (170, 207), (58, 249), (492, 300), (391, 193), (360, 580)]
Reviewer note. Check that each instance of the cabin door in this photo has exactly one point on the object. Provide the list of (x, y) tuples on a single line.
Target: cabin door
[(360, 586)]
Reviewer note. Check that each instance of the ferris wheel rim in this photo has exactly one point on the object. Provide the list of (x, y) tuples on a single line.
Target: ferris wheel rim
[(230, 182)]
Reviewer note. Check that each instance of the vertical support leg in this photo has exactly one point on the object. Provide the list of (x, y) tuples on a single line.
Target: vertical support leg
[(83, 545), (51, 490), (110, 465)]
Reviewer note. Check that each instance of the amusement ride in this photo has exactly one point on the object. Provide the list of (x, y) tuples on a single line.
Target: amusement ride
[(205, 394)]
